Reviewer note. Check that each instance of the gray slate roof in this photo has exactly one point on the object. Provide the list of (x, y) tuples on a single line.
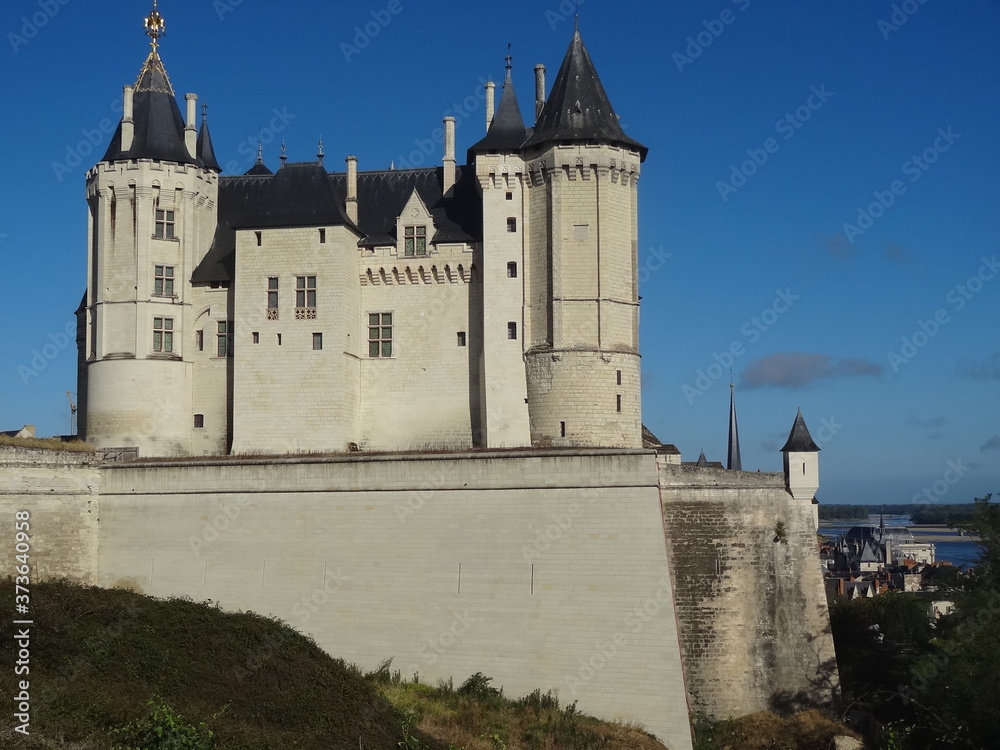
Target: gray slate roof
[(799, 439), (578, 108)]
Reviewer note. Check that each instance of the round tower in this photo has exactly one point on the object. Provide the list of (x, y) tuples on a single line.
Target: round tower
[(152, 202), (582, 300)]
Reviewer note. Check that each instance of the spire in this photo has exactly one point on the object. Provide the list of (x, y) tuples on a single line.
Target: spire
[(578, 109), (799, 439), (158, 127), (284, 153), (508, 60), (206, 152), (507, 131), (702, 461), (733, 463), (319, 151)]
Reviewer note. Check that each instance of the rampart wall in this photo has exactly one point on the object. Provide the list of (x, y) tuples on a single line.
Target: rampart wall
[(751, 608)]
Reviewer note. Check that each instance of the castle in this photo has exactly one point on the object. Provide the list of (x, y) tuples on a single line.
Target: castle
[(414, 399), (487, 305)]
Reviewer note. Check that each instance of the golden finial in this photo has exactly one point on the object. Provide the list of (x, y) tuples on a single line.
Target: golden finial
[(155, 25)]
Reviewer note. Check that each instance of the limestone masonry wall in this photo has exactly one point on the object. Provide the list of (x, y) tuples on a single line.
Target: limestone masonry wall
[(542, 569), (60, 491), (751, 609)]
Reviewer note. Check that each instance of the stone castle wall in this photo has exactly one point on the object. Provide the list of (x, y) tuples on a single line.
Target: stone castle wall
[(751, 608)]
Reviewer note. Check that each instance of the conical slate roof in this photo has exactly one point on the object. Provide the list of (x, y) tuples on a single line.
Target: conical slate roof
[(205, 151), (507, 131), (799, 439), (733, 461), (158, 124), (578, 109)]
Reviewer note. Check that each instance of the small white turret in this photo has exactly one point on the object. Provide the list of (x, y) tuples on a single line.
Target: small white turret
[(801, 462)]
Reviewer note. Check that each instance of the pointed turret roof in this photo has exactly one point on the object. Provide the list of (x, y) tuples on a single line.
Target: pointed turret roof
[(733, 462), (702, 460), (158, 126), (799, 439), (578, 109), (206, 152), (507, 131)]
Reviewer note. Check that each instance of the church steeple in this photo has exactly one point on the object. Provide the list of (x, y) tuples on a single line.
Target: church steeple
[(578, 109), (733, 462)]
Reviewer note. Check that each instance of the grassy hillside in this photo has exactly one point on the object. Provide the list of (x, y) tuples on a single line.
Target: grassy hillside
[(99, 657)]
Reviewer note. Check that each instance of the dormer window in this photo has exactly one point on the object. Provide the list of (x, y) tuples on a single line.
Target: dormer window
[(414, 240)]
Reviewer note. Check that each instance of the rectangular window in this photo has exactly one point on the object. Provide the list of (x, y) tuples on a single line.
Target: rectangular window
[(317, 341), (199, 340), (256, 337), (260, 238), (163, 335), (512, 270), (164, 226), (322, 236), (511, 224), (163, 281), (272, 297), (510, 196), (305, 297), (512, 330), (562, 429), (619, 397), (619, 376), (461, 338), (415, 240), (224, 339), (199, 421), (279, 339), (380, 334)]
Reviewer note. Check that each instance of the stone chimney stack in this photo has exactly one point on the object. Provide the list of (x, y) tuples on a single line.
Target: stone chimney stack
[(128, 124), (352, 188), (539, 89), (490, 103), (190, 133), (449, 154)]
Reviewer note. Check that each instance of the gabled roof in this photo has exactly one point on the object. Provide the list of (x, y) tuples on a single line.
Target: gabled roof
[(158, 125), (507, 131), (799, 439), (578, 109)]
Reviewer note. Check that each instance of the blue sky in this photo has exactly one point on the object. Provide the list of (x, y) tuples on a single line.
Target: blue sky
[(818, 208)]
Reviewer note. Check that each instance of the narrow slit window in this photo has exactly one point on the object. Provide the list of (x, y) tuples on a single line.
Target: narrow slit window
[(199, 340), (461, 338), (256, 337), (279, 339), (317, 341), (619, 402), (322, 236), (619, 377), (562, 429), (259, 238)]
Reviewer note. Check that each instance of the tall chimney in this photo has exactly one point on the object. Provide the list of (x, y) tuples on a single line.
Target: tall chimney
[(539, 89), (449, 154), (490, 104), (128, 124), (190, 134), (352, 188)]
